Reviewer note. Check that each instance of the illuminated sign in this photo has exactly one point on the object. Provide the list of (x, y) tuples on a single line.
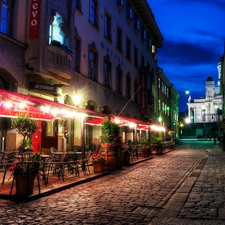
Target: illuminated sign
[(34, 18)]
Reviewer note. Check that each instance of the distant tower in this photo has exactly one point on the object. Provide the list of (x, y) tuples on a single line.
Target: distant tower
[(209, 88)]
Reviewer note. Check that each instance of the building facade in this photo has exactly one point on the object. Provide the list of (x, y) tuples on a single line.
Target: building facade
[(167, 102), (208, 110), (103, 51)]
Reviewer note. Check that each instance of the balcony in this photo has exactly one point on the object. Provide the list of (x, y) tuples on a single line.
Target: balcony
[(58, 60)]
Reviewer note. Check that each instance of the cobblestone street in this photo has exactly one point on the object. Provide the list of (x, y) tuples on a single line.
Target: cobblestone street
[(152, 192)]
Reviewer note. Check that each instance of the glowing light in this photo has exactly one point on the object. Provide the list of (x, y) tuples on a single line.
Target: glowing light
[(22, 105), (76, 98), (8, 104), (117, 121), (157, 128), (132, 125)]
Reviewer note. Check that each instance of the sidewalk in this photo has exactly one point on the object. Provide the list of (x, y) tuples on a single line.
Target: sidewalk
[(201, 198), (55, 184)]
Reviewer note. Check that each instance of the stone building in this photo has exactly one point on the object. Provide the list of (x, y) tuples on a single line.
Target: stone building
[(104, 52), (206, 111)]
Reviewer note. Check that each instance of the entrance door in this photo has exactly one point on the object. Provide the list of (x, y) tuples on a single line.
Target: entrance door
[(36, 139)]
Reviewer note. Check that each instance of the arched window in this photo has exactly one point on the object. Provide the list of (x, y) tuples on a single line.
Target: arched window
[(56, 32)]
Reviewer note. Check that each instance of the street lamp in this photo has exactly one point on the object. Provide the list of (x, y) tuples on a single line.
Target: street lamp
[(187, 92), (76, 98)]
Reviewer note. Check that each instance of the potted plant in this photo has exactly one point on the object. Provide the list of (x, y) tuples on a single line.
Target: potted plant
[(146, 149), (109, 137), (98, 162), (24, 172), (157, 144), (27, 166)]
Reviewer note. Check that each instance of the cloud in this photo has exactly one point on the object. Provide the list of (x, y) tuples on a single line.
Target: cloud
[(187, 53), (218, 3), (193, 32)]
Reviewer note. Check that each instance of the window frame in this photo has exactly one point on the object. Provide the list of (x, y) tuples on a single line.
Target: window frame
[(119, 39), (107, 72), (93, 72), (107, 26), (8, 21), (93, 13)]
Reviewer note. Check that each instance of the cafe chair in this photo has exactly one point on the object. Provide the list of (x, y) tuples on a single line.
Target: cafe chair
[(58, 165), (85, 161), (53, 149)]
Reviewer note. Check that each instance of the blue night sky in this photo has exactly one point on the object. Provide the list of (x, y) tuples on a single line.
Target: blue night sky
[(193, 32)]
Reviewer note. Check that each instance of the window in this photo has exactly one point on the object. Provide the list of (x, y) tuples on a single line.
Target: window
[(77, 54), (120, 2), (5, 16), (119, 80), (149, 43), (78, 5), (128, 86), (93, 12), (93, 62), (203, 115), (137, 24), (128, 46), (55, 32), (135, 56), (120, 5), (107, 27), (119, 39), (143, 33), (107, 72), (129, 13)]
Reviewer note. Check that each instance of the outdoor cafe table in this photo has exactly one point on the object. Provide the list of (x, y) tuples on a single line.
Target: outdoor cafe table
[(43, 171)]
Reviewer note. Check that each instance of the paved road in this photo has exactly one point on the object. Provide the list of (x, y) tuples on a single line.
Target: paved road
[(185, 186)]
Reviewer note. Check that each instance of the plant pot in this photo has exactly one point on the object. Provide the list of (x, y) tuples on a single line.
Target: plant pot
[(106, 145), (99, 167), (110, 157), (25, 184)]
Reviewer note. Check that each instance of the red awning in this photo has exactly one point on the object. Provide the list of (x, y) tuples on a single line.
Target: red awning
[(12, 103), (95, 122), (123, 121)]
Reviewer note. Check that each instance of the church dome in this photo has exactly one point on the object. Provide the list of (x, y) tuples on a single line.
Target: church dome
[(209, 78)]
